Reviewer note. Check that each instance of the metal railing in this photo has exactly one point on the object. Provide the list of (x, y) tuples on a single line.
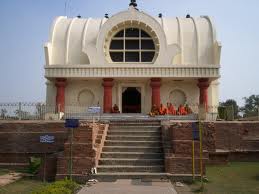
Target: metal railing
[(22, 111), (42, 111)]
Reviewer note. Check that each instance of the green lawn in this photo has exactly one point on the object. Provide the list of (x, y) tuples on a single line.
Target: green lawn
[(235, 178), (23, 186)]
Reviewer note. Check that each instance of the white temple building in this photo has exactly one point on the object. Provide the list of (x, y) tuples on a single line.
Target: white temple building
[(132, 59)]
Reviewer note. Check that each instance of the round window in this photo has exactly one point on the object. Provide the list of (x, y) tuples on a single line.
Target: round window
[(132, 45)]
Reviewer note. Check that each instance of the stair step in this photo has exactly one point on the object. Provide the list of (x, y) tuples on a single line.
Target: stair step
[(16, 166), (131, 162), (130, 123), (138, 128), (123, 168), (135, 138), (139, 155), (133, 133), (132, 143), (108, 176), (132, 147), (151, 149)]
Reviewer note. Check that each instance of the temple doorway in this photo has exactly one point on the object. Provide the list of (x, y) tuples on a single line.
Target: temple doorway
[(131, 100)]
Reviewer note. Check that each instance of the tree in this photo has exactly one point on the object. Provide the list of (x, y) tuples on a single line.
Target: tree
[(251, 106), (3, 112), (22, 114), (231, 104)]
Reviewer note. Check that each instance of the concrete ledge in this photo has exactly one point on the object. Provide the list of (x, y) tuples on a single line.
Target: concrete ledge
[(112, 177)]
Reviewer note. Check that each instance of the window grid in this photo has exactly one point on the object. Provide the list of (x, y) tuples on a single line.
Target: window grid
[(140, 50)]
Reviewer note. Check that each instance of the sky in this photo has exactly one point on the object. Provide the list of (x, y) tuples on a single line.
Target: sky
[(25, 25)]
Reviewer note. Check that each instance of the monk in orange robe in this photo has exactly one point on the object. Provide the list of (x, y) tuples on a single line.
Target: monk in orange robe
[(163, 110), (188, 109), (115, 109), (181, 110), (154, 111), (171, 109)]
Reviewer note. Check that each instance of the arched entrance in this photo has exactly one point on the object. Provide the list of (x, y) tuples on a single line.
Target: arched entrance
[(131, 100)]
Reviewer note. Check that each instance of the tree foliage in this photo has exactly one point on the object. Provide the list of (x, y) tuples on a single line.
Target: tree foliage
[(232, 106), (251, 106)]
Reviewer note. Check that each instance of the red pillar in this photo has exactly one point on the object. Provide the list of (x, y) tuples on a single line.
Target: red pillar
[(60, 97), (107, 94), (155, 85), (204, 84)]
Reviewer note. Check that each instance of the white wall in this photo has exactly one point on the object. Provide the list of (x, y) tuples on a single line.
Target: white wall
[(189, 88)]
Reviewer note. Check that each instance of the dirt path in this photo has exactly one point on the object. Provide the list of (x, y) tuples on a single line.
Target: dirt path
[(9, 178)]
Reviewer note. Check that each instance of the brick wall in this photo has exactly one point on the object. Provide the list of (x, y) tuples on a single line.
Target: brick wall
[(223, 141), (21, 139), (86, 146), (235, 136), (177, 141), (24, 137)]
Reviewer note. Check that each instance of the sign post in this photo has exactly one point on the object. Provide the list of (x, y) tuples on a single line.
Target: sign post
[(71, 124), (94, 110), (195, 136), (46, 139), (201, 156)]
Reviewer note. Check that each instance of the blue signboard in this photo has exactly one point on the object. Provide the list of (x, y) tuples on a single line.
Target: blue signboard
[(72, 123), (47, 139), (94, 109)]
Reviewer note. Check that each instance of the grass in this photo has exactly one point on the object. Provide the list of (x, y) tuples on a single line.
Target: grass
[(235, 178), (4, 171), (22, 186)]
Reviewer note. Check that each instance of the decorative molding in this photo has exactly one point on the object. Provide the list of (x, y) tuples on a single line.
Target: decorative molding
[(129, 70)]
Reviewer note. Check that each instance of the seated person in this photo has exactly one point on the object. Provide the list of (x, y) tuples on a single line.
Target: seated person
[(115, 109), (163, 110), (171, 109), (181, 110), (154, 111), (168, 106), (188, 109)]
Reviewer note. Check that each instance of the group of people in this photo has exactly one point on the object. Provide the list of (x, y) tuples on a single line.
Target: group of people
[(163, 110), (170, 110)]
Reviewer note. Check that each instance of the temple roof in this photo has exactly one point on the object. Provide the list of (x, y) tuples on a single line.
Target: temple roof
[(183, 41)]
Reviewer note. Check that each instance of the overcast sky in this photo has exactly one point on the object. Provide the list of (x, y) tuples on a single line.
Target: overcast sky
[(25, 24)]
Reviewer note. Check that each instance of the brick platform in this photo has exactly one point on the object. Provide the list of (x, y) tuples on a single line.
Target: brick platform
[(222, 142)]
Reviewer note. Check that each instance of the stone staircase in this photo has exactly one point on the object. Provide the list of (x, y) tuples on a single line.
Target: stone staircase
[(132, 149)]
